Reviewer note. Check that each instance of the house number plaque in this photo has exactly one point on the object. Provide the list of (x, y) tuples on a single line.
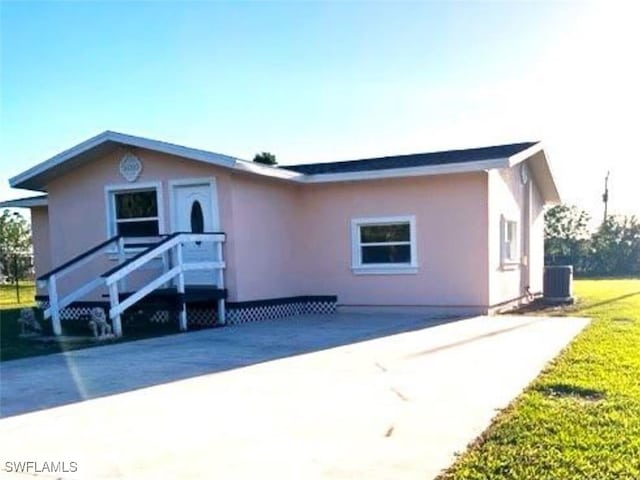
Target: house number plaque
[(130, 167)]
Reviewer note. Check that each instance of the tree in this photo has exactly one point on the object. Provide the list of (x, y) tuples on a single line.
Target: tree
[(566, 236), (615, 247), (15, 244), (265, 158)]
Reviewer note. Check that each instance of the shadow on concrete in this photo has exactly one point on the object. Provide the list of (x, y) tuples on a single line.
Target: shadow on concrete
[(37, 383), (473, 339)]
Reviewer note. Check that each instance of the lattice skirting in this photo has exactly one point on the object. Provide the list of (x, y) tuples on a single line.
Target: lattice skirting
[(201, 317), (73, 312), (83, 309), (237, 312), (245, 312)]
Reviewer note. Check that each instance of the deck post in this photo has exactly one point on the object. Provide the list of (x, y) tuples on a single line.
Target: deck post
[(114, 301), (122, 257), (182, 317), (53, 305), (222, 314)]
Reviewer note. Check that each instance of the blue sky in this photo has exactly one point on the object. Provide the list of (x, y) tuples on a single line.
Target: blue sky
[(329, 81)]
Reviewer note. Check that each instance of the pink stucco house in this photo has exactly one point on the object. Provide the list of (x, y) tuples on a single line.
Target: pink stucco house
[(124, 219)]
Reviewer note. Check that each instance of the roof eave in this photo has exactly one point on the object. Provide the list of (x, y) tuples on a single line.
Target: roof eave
[(29, 178), (280, 173), (542, 172), (28, 202), (463, 167)]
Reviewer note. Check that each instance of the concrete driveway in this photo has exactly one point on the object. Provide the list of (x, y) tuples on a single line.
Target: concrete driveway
[(342, 396)]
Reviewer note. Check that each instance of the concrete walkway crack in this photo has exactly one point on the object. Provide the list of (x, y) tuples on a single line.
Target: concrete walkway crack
[(399, 394)]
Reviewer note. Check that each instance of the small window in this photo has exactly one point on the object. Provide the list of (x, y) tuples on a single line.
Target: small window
[(136, 213), (197, 218), (510, 251), (384, 245)]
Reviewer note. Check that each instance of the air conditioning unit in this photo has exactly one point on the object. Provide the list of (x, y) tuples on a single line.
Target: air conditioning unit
[(558, 284)]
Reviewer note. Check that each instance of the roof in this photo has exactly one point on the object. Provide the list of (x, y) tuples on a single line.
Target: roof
[(421, 164), (27, 202), (37, 177), (414, 160)]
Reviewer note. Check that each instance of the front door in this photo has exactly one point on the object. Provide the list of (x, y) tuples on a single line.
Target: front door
[(195, 210)]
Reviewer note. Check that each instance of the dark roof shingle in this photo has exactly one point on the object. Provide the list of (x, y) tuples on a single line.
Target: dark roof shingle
[(413, 160)]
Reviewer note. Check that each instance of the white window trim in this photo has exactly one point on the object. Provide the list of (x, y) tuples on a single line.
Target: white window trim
[(110, 207), (358, 268), (514, 261)]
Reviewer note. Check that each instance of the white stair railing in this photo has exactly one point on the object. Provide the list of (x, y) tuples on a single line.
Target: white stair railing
[(172, 244), (49, 281)]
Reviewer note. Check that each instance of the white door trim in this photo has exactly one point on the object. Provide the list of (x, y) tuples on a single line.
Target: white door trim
[(185, 182)]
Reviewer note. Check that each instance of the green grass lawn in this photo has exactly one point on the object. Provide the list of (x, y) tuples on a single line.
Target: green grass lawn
[(580, 419), (13, 347), (9, 297)]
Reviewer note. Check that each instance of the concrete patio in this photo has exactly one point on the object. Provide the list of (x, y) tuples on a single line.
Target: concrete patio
[(343, 396)]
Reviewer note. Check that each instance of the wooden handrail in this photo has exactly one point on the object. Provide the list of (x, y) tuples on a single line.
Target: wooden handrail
[(152, 252), (78, 258), (126, 267), (136, 257), (175, 240)]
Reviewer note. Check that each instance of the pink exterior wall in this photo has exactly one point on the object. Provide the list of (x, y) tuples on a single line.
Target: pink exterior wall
[(507, 198), (451, 218), (78, 216), (257, 214), (40, 238), (264, 231), (286, 240)]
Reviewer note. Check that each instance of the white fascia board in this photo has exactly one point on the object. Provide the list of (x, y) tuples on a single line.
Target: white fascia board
[(266, 170), (140, 142), (29, 202), (463, 167), (524, 154), (542, 171), (59, 158), (173, 149), (546, 184)]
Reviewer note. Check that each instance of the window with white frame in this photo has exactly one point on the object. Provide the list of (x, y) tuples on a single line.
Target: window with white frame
[(510, 250), (384, 245), (134, 213)]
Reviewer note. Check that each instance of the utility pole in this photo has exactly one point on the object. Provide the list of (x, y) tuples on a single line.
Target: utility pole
[(605, 195)]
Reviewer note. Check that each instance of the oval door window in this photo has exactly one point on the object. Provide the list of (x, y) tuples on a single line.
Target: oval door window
[(197, 218)]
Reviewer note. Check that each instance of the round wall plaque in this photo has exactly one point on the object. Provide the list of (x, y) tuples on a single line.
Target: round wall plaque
[(130, 167)]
